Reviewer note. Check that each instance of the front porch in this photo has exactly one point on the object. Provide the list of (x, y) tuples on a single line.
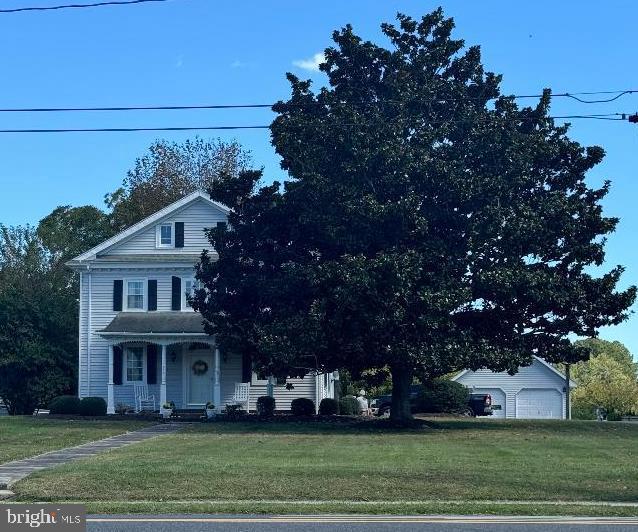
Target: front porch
[(168, 354)]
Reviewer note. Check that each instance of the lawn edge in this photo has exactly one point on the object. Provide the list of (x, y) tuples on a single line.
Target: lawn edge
[(510, 508)]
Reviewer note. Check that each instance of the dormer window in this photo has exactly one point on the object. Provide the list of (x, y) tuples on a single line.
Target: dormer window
[(165, 236)]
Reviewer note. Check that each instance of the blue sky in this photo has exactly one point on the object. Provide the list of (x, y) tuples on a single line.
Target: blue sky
[(215, 51)]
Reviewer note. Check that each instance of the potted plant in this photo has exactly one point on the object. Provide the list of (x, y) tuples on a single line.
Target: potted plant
[(167, 409), (210, 410)]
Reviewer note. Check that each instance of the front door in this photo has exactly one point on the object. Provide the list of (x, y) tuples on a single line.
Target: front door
[(199, 385)]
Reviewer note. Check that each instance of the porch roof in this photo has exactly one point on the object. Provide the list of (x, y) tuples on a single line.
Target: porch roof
[(155, 323)]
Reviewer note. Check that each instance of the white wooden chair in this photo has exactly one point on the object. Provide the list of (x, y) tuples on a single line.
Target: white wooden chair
[(143, 400), (242, 395)]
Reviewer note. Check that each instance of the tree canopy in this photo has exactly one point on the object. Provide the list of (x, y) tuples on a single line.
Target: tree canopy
[(170, 171), (429, 225), (609, 379), (38, 323)]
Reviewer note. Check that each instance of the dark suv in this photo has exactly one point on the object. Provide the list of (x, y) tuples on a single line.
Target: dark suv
[(479, 404)]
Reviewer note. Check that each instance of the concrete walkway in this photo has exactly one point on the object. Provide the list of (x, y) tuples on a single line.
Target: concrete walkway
[(11, 472)]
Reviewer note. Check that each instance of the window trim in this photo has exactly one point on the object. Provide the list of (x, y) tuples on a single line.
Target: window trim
[(256, 380), (125, 364), (158, 235), (144, 282)]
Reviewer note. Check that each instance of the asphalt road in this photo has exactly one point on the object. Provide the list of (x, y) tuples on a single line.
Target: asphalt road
[(230, 523)]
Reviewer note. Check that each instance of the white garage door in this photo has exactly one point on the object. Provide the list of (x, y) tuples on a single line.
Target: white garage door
[(539, 404), (498, 400)]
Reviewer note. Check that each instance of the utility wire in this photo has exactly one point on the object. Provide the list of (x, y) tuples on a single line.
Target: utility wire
[(573, 95), (616, 117), (612, 99), (77, 6)]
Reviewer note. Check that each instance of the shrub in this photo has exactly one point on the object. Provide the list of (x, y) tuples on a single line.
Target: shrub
[(266, 406), (65, 405), (328, 407), (349, 406), (234, 412), (442, 395), (302, 406), (92, 406)]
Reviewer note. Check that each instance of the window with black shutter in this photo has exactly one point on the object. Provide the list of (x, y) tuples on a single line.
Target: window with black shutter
[(118, 293), (152, 294), (176, 293), (179, 234), (151, 364), (117, 364)]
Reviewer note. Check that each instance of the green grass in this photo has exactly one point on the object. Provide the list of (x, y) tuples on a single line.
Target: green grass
[(239, 466), (21, 437)]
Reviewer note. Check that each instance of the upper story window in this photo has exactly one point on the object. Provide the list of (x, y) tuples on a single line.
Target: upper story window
[(190, 285), (165, 236), (134, 294)]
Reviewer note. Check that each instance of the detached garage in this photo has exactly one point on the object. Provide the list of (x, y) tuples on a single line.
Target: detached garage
[(537, 391)]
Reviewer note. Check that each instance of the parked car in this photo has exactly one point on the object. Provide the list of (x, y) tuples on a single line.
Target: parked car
[(479, 404)]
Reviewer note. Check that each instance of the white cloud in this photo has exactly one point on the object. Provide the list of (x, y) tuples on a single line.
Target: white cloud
[(238, 64), (312, 63)]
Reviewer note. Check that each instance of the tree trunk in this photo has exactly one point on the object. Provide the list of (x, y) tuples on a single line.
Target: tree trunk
[(400, 411)]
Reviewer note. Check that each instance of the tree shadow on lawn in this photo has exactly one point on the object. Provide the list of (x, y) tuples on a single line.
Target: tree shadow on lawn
[(353, 426)]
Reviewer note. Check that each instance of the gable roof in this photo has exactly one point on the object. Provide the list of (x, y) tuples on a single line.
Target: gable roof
[(546, 364), (146, 222)]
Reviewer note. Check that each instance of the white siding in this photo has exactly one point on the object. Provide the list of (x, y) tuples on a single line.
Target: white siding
[(283, 397), (197, 216), (93, 350), (101, 315), (535, 377)]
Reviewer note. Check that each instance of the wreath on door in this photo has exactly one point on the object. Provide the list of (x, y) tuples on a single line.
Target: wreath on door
[(200, 367)]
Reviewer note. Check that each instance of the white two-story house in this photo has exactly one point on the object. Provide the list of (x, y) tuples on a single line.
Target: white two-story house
[(136, 326)]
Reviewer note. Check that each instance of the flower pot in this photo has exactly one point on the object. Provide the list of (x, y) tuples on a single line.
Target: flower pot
[(167, 413), (210, 413)]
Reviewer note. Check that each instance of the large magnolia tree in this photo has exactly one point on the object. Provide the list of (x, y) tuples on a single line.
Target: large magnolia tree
[(430, 224)]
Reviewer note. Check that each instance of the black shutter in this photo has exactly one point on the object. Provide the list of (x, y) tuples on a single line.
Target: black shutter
[(117, 364), (151, 364), (176, 293), (152, 294), (179, 234), (246, 368), (118, 293)]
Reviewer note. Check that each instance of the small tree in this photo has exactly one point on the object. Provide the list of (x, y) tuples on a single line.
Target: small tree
[(604, 382)]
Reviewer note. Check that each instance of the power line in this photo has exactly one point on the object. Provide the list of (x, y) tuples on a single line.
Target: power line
[(615, 117), (573, 95), (77, 6), (127, 129), (604, 100)]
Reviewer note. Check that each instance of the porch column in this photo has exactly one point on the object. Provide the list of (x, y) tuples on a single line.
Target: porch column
[(163, 382), (217, 391), (110, 403)]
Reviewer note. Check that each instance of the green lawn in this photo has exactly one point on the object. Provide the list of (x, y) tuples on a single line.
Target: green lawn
[(21, 437), (239, 465)]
